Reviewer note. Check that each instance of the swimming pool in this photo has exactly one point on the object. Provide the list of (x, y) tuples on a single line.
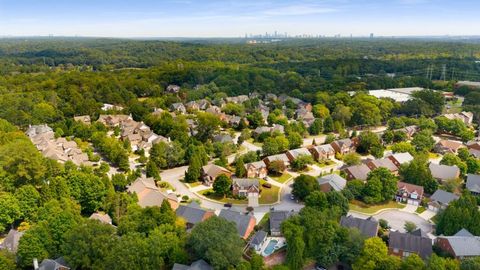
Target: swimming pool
[(270, 248)]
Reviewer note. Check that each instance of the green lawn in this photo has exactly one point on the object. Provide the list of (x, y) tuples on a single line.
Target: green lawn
[(165, 186), (420, 210), (325, 163), (282, 178), (267, 196), (195, 184), (433, 155), (371, 209)]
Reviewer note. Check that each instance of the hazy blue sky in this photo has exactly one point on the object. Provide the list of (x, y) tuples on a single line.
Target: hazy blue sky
[(207, 18)]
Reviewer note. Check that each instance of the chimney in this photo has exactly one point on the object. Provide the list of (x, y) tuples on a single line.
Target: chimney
[(35, 263)]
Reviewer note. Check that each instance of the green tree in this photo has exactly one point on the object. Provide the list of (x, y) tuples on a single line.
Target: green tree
[(403, 147), (381, 186), (194, 170), (462, 213), (409, 226), (240, 170), (28, 200), (453, 160), (295, 140), (328, 124), (10, 210), (222, 185), (423, 141), (301, 162), (152, 170), (352, 159), (413, 262), (439, 263), (207, 125), (316, 199), (303, 185), (210, 239), (7, 260), (316, 127), (370, 143), (375, 255), (276, 167)]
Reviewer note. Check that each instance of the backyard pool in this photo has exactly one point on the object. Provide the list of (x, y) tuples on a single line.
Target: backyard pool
[(270, 248)]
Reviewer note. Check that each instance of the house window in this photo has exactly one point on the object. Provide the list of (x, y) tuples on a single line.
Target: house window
[(395, 250), (414, 196)]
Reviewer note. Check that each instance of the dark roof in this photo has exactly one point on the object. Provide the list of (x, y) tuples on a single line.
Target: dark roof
[(277, 217), (444, 172), (411, 243), (196, 265), (192, 213), (258, 238), (443, 196), (359, 172), (368, 227), (241, 221)]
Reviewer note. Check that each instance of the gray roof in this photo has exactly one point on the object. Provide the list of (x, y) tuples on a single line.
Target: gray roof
[(368, 227), (324, 148), (281, 157), (443, 196), (299, 152), (241, 221), (463, 232), (223, 138), (246, 182), (49, 264), (11, 240), (257, 164), (444, 172), (196, 265), (276, 219), (337, 182), (403, 157), (411, 243), (464, 244), (258, 238), (192, 213), (359, 172), (473, 183)]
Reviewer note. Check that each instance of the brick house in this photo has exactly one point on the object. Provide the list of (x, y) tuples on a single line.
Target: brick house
[(256, 169), (245, 187), (409, 193), (322, 152)]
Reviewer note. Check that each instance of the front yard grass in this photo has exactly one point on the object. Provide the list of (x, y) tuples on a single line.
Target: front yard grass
[(282, 178), (267, 196), (325, 163), (420, 210), (433, 155), (371, 209), (194, 184)]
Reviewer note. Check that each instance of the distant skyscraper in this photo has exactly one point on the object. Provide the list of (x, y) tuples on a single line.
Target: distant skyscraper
[(371, 35)]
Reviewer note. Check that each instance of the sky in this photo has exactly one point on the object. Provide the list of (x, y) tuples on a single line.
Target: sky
[(229, 18)]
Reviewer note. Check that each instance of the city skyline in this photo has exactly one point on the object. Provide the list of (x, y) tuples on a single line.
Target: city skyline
[(214, 18)]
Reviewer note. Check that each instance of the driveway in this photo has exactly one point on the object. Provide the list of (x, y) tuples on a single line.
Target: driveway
[(427, 214), (397, 218)]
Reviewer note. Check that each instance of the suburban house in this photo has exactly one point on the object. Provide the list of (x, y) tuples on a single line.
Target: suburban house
[(295, 153), (172, 88), (400, 158), (474, 144), (440, 200), (280, 157), (359, 172), (102, 217), (178, 107), (383, 163), (196, 265), (322, 152), (465, 117), (238, 99), (108, 107), (409, 193), (473, 184), (405, 244), (448, 146), (256, 169), (193, 214), (85, 119), (444, 172), (274, 128), (111, 121), (332, 182), (10, 242), (149, 194), (461, 245), (223, 138), (49, 264), (245, 187), (59, 149), (276, 219), (258, 240), (211, 171), (345, 146), (367, 227), (409, 130), (244, 223)]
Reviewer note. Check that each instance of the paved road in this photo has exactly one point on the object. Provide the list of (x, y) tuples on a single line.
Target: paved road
[(397, 218)]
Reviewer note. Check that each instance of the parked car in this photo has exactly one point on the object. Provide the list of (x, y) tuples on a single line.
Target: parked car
[(267, 185), (228, 205), (292, 197)]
